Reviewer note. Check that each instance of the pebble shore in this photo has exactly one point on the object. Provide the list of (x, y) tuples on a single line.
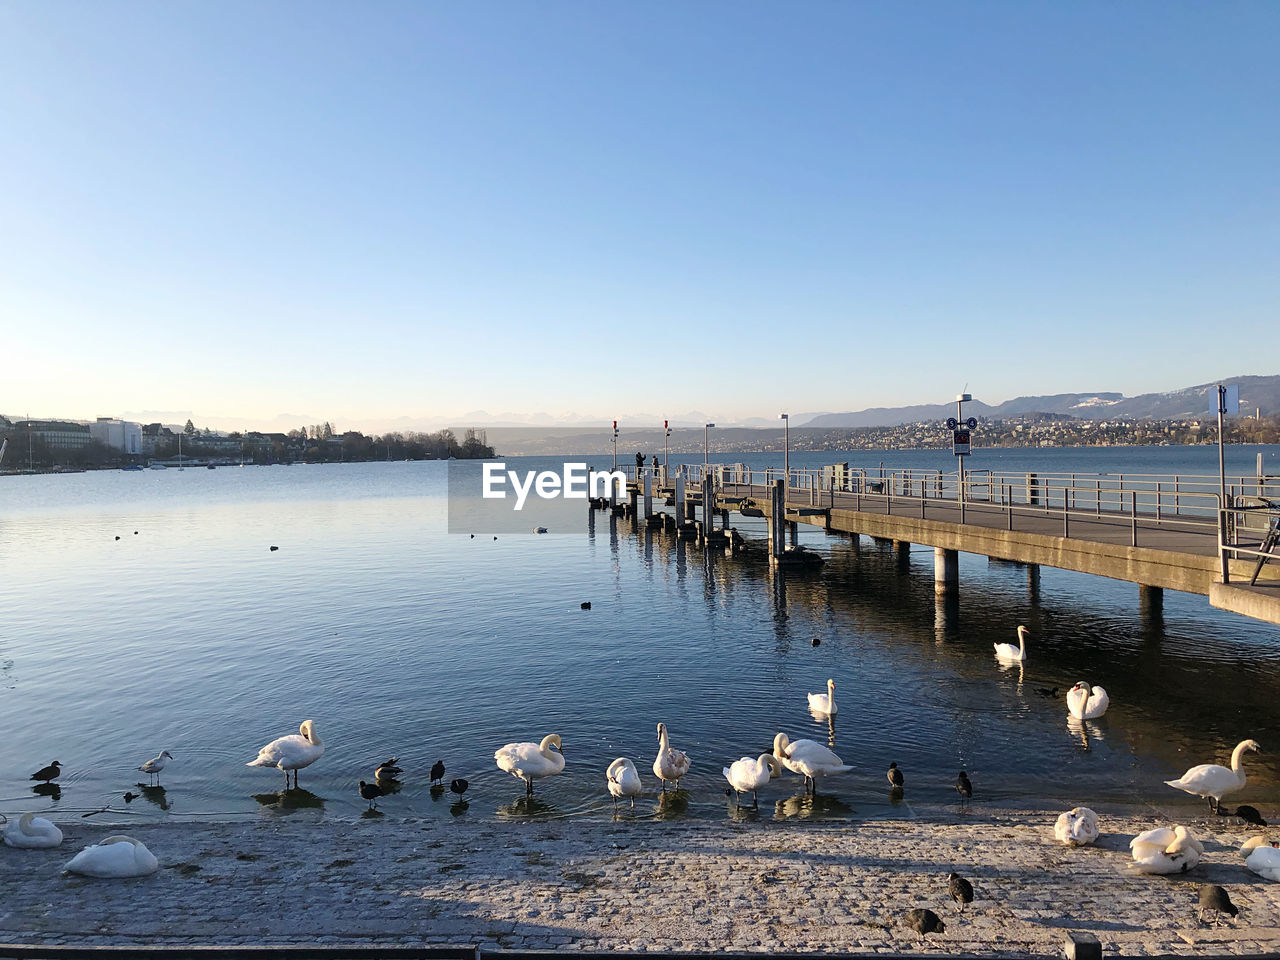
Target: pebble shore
[(640, 885)]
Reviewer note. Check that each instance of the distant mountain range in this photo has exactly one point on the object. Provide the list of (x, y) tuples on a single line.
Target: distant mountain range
[(1190, 402)]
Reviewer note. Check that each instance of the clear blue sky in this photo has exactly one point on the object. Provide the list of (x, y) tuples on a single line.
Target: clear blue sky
[(357, 211)]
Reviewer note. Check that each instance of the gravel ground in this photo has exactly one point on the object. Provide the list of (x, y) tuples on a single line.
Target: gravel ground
[(637, 885)]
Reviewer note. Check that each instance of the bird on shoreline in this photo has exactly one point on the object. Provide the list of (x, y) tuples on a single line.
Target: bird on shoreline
[(670, 763), (923, 921), (370, 792), (1008, 652), (747, 774), (1164, 850), (114, 857), (531, 761), (896, 779), (810, 759), (1246, 813), (623, 780), (1214, 781), (51, 772), (964, 786), (437, 771), (961, 890), (153, 766), (387, 770), (1215, 898), (293, 752), (1077, 827), (30, 832)]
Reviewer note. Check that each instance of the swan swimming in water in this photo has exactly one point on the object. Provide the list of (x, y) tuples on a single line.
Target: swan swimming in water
[(670, 763), (824, 702), (1213, 781), (747, 774), (1010, 653), (293, 752), (1087, 703), (808, 758), (30, 832), (531, 761), (624, 780), (1165, 850), (114, 857), (1077, 827)]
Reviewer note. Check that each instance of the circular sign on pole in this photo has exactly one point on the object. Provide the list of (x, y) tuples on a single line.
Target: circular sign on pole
[(972, 423), (952, 423)]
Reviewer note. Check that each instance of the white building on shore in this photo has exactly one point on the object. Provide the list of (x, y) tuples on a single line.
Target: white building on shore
[(119, 435)]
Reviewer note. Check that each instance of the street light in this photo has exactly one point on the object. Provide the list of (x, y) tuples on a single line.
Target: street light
[(706, 443), (786, 446), (666, 443), (615, 446)]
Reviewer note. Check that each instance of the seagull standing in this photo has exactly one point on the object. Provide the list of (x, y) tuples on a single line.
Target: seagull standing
[(153, 766)]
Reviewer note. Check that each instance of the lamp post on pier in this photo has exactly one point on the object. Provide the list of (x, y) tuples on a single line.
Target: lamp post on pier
[(615, 446), (706, 444), (666, 444), (786, 447)]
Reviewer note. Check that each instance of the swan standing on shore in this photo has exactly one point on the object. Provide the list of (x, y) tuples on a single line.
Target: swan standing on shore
[(624, 780), (1087, 703), (30, 832), (824, 702), (293, 752), (808, 758), (1077, 827), (1165, 850), (670, 763), (748, 774), (1212, 780), (114, 857), (153, 766), (1009, 653), (531, 761)]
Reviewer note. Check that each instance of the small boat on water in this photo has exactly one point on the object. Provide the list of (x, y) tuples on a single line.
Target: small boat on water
[(132, 466)]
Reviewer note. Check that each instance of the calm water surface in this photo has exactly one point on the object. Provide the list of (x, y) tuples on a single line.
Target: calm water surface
[(399, 639)]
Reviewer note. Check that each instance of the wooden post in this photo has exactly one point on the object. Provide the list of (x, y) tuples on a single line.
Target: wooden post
[(648, 494), (708, 505), (778, 511), (680, 515)]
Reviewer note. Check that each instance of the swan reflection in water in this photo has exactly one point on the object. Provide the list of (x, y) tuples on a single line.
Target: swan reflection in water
[(827, 720), (809, 806), (671, 806), (50, 790), (1085, 731), (287, 801), (526, 806)]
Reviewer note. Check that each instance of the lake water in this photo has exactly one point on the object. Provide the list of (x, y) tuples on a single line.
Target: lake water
[(187, 633)]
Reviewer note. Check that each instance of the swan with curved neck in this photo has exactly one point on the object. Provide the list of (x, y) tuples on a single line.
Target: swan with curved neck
[(30, 832), (747, 774), (824, 702), (530, 761), (624, 780), (114, 857), (670, 763), (1164, 851), (1007, 651), (1087, 703), (1214, 781), (291, 753), (808, 758), (1076, 827)]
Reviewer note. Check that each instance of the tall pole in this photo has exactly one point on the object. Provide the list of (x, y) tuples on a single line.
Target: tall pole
[(1222, 484), (706, 444), (666, 443), (615, 446), (786, 446)]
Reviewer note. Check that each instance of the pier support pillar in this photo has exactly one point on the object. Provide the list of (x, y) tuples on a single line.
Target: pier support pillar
[(777, 520), (793, 532), (946, 572), (648, 495), (708, 506), (1150, 601), (680, 514), (902, 553), (946, 616), (1033, 583)]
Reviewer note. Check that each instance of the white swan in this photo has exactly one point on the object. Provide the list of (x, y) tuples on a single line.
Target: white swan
[(1265, 862), (293, 752), (670, 763), (156, 764), (1077, 827), (1165, 850), (747, 774), (117, 856), (808, 758), (624, 780), (1007, 651), (1213, 780), (1087, 703), (824, 702), (531, 761), (1253, 843), (30, 832)]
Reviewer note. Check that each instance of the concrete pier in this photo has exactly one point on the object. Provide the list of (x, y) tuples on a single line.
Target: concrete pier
[(946, 572)]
